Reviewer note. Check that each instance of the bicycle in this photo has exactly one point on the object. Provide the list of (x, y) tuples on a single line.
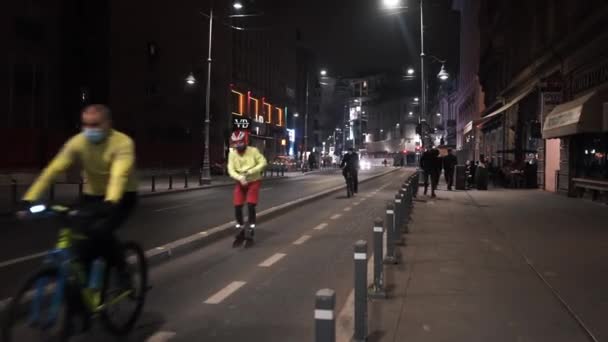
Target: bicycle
[(350, 190), (46, 306)]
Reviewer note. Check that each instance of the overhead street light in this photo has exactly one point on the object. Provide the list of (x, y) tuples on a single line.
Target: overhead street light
[(237, 5), (443, 75), (410, 71), (391, 4), (323, 72), (295, 115), (416, 99), (191, 80)]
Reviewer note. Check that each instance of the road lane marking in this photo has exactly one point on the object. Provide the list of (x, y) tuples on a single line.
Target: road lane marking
[(345, 323), (173, 207), (264, 189), (348, 209), (320, 227), (225, 292), (22, 259), (357, 203), (272, 260), (335, 217), (161, 336), (302, 239)]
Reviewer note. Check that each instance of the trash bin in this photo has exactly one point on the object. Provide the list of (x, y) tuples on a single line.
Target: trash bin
[(482, 178), (460, 177)]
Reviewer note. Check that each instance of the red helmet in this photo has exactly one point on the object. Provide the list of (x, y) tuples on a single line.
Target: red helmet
[(238, 140)]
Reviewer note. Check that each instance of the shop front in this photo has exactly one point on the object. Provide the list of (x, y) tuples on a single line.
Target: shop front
[(577, 132)]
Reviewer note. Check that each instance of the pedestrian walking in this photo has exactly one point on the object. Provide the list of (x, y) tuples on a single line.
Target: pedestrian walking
[(449, 163), (430, 163)]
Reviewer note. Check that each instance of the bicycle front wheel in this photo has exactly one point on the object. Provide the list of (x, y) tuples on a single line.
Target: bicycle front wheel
[(38, 312), (123, 299)]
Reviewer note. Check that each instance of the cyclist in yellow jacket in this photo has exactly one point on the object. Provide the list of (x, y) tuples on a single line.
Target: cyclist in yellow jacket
[(107, 158), (245, 166)]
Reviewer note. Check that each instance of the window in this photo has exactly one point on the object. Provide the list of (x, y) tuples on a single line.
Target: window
[(592, 156)]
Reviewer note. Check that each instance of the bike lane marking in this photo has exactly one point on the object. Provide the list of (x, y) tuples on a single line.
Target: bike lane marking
[(272, 260), (302, 240), (224, 293), (321, 226)]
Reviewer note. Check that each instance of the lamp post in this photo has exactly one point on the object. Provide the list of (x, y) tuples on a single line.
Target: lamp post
[(205, 174)]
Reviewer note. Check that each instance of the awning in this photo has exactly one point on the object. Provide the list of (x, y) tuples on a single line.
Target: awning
[(510, 103), (581, 115)]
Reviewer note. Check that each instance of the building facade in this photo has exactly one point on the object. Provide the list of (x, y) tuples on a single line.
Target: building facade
[(466, 103), (543, 79)]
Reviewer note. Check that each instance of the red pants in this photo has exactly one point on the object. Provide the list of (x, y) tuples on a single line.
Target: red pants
[(250, 192)]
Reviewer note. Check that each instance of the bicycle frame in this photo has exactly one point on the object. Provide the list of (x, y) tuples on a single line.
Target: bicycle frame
[(62, 258)]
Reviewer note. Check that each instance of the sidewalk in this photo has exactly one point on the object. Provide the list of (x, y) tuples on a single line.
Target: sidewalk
[(498, 265)]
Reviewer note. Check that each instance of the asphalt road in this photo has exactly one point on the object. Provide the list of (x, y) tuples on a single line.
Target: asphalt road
[(274, 282), (158, 220)]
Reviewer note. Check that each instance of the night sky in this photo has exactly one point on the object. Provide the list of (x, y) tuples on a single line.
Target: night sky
[(358, 36)]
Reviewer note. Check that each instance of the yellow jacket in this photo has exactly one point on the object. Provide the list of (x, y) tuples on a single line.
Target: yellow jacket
[(108, 167), (252, 160)]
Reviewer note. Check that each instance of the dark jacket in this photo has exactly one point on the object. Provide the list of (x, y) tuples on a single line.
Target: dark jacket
[(430, 161), (350, 162), (449, 162)]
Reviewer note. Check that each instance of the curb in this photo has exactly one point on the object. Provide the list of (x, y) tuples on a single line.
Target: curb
[(204, 187), (161, 254), (197, 187), (182, 246)]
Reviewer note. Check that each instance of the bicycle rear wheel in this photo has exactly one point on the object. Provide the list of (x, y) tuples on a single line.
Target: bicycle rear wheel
[(124, 306), (38, 312)]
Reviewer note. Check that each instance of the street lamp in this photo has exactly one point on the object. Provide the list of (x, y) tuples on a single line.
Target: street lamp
[(410, 71), (323, 72), (296, 115), (191, 80), (205, 177), (443, 75), (416, 99), (392, 4)]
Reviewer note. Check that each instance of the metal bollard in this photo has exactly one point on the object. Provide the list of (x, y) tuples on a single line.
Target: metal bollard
[(80, 187), (153, 183), (417, 183), (398, 220), (360, 291), (14, 190), (391, 257), (377, 290), (186, 180), (52, 192), (170, 182), (325, 322)]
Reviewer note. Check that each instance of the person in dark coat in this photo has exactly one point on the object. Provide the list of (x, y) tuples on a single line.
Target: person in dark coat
[(431, 165), (449, 163)]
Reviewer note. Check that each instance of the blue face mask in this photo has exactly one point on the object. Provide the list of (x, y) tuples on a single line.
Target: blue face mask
[(94, 135)]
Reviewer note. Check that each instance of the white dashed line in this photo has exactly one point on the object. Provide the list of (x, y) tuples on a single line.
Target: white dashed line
[(225, 292), (348, 209), (272, 260), (321, 226), (356, 203), (161, 336), (335, 217), (301, 240)]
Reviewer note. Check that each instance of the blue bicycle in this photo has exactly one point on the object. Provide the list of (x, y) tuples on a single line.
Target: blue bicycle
[(63, 292)]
